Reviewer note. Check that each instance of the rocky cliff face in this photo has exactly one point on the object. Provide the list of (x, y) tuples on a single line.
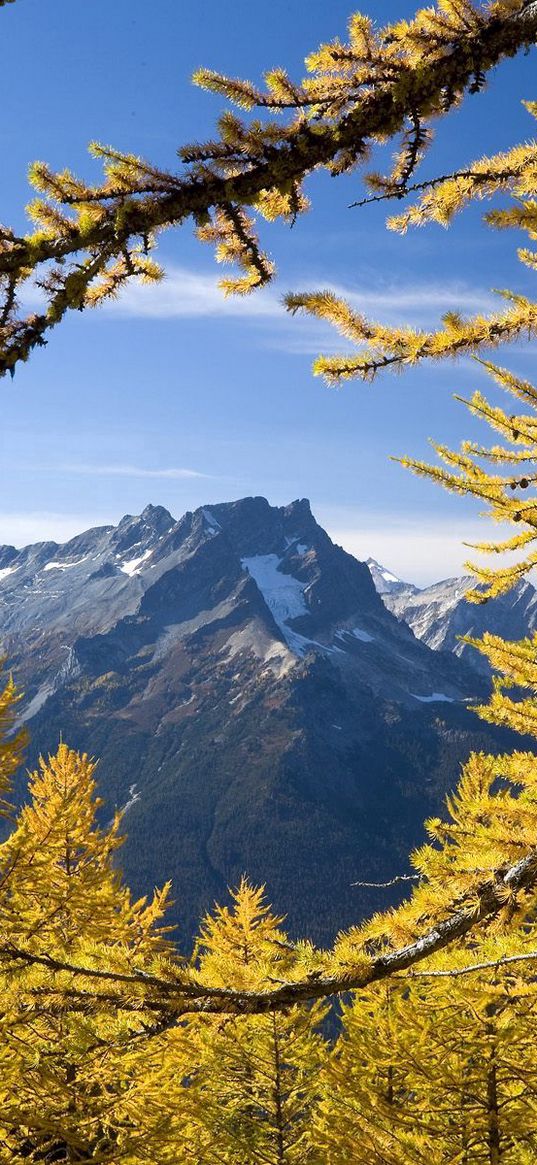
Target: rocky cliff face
[(254, 704)]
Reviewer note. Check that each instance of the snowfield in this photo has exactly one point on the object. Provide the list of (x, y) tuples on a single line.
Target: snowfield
[(283, 594)]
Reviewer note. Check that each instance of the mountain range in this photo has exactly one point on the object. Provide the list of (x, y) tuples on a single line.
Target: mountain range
[(440, 614), (255, 705)]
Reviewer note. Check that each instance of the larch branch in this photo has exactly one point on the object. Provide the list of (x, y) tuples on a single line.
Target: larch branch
[(460, 920)]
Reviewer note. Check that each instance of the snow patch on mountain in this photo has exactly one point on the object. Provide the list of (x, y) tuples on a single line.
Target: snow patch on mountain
[(134, 796), (364, 636), (301, 644), (6, 571), (283, 594), (132, 565), (293, 546), (436, 698), (61, 565), (35, 704), (345, 633)]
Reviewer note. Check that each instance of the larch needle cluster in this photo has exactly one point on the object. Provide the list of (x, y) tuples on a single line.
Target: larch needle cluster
[(380, 84)]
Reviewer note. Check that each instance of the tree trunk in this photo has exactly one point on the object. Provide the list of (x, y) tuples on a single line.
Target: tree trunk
[(278, 1110), (493, 1115)]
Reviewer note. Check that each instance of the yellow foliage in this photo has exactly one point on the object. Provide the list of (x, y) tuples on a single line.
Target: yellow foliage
[(513, 171), (381, 84), (12, 742), (109, 1050), (509, 495)]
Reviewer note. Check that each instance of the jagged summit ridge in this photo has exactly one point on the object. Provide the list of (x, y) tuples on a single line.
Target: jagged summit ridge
[(270, 575)]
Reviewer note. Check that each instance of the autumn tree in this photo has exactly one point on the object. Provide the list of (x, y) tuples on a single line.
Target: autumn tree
[(436, 1065), (113, 1048), (62, 898), (257, 1077), (368, 1111)]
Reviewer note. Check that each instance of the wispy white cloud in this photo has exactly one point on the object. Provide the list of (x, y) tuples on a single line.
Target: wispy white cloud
[(189, 294), (413, 298), (181, 294), (186, 293), (173, 473)]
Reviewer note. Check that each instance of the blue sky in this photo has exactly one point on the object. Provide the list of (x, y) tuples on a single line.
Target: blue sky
[(178, 397)]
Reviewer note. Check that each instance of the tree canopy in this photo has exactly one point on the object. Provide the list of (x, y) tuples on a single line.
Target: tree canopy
[(115, 1048)]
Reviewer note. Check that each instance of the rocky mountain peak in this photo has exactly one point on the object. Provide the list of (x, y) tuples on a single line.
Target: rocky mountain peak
[(251, 525), (141, 530), (387, 583), (156, 514)]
